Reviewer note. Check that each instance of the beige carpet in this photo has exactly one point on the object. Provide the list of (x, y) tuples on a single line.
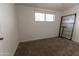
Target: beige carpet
[(48, 47)]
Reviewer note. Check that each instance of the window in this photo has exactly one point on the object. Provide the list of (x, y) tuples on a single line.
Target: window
[(44, 17), (39, 16), (50, 17)]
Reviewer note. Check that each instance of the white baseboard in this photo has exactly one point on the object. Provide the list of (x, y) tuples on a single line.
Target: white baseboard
[(36, 39)]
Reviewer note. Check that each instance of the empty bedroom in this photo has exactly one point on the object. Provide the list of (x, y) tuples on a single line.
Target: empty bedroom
[(39, 29)]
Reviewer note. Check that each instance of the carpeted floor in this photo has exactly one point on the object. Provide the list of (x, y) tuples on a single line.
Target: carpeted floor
[(48, 47)]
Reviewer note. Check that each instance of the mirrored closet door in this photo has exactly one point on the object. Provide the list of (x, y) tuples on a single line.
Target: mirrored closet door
[(67, 26)]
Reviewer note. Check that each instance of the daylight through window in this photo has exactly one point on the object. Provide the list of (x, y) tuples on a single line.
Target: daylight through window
[(44, 17)]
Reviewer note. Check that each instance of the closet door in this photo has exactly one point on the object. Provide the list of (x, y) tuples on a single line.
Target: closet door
[(67, 26)]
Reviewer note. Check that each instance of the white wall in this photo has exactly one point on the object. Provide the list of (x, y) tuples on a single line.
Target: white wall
[(22, 21), (76, 29), (31, 30), (8, 28)]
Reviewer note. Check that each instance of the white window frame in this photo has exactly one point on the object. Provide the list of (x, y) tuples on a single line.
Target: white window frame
[(38, 17), (53, 16), (44, 16)]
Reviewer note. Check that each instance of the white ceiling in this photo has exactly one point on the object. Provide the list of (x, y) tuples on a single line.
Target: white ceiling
[(51, 6)]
